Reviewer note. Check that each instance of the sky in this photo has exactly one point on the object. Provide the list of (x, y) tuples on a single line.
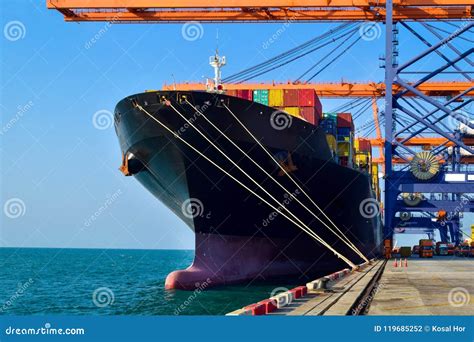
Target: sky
[(60, 82)]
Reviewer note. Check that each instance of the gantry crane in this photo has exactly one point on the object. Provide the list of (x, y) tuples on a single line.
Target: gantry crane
[(408, 171)]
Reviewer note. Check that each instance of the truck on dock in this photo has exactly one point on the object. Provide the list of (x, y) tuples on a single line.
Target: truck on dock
[(426, 248), (463, 250), (441, 248)]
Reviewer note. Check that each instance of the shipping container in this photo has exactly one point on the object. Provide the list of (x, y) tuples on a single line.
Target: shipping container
[(310, 114), (331, 139), (245, 94), (290, 97), (328, 126), (308, 98), (330, 116), (363, 145), (343, 149), (260, 96), (362, 159), (345, 120), (231, 92), (343, 161), (275, 98), (295, 111)]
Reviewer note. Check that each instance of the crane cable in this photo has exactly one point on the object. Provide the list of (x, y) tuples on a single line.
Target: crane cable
[(302, 227), (289, 176), (333, 40), (278, 183), (290, 53)]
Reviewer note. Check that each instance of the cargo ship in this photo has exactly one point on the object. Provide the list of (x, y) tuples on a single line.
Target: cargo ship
[(239, 238)]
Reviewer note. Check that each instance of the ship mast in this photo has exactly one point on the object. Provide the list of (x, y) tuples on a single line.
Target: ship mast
[(216, 62)]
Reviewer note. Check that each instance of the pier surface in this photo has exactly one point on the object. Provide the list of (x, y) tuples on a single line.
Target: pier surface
[(438, 286)]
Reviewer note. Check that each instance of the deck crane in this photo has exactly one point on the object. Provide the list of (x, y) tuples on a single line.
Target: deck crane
[(414, 164)]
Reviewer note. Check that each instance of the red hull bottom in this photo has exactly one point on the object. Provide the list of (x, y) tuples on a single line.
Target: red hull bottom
[(224, 259)]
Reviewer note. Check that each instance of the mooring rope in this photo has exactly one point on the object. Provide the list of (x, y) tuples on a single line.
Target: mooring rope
[(302, 227), (357, 251), (296, 183)]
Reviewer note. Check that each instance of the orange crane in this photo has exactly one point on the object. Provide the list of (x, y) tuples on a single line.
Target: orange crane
[(176, 11), (261, 11)]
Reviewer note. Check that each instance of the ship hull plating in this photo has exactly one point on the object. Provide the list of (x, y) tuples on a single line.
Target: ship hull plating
[(239, 238)]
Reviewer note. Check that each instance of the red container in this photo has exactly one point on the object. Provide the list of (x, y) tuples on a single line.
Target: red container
[(269, 304), (345, 120), (246, 94), (310, 114), (344, 161), (290, 98), (364, 145), (256, 309)]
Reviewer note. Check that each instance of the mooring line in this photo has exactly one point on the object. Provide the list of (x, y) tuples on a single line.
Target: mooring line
[(357, 251), (302, 227), (296, 183)]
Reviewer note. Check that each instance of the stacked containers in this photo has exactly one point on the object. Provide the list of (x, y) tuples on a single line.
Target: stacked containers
[(363, 151), (375, 180), (345, 136), (328, 124)]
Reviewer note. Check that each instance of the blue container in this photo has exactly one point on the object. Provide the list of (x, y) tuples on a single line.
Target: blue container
[(329, 126)]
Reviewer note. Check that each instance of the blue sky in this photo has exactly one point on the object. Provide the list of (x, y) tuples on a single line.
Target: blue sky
[(54, 79)]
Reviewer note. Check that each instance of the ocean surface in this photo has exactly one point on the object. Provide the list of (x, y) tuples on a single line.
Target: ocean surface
[(42, 281)]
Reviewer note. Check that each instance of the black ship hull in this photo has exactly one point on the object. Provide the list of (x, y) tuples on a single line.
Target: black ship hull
[(239, 237)]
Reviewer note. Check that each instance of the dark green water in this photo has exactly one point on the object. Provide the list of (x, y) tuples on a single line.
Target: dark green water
[(126, 282)]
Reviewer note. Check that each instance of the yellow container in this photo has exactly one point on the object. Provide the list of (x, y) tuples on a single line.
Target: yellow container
[(295, 111), (275, 97), (331, 139), (356, 144), (362, 159), (343, 149)]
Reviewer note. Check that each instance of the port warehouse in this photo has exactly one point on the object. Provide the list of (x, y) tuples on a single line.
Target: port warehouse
[(428, 181)]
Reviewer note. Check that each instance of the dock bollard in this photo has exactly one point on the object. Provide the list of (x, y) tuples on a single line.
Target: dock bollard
[(406, 262), (395, 264), (322, 284)]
